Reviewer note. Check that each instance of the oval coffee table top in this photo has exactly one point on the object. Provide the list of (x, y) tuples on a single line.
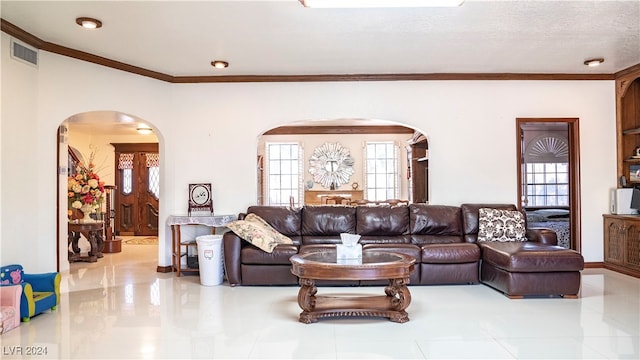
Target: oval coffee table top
[(375, 265)]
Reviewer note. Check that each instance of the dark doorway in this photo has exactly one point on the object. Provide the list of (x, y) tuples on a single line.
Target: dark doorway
[(418, 172), (549, 176)]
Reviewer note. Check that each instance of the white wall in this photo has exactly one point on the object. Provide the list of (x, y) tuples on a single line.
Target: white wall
[(22, 190), (209, 133)]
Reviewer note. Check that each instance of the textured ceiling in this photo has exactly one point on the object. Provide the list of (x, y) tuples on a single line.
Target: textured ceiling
[(282, 37)]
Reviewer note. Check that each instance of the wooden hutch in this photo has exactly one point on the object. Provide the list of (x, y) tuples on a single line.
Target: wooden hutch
[(622, 232)]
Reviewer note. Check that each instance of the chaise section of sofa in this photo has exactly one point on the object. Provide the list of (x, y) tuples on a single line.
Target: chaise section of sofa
[(536, 267)]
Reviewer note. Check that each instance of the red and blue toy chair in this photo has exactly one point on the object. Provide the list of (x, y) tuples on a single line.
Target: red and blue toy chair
[(40, 292)]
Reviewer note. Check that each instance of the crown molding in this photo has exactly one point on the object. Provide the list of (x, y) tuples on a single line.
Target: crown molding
[(339, 130), (38, 43), (628, 71)]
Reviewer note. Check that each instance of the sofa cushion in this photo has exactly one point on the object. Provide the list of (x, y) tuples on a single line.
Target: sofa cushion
[(400, 239), (406, 249), (450, 253), (256, 231), (500, 225), (286, 220), (279, 255), (434, 220), (328, 220), (434, 224), (530, 257), (382, 220)]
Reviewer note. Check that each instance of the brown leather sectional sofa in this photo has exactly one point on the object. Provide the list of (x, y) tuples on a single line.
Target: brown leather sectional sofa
[(441, 238)]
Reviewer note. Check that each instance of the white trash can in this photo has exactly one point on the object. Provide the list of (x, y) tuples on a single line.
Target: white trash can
[(210, 259)]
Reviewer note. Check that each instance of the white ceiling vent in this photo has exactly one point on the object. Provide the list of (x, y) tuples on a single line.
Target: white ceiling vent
[(24, 53)]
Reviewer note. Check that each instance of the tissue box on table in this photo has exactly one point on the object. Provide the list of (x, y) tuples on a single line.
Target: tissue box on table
[(345, 252), (349, 249)]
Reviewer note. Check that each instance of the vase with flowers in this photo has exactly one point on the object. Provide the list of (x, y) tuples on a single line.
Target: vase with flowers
[(85, 190)]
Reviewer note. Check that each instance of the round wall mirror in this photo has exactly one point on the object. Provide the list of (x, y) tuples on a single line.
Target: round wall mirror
[(331, 163)]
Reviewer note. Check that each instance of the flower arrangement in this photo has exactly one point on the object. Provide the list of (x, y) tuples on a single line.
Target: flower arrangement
[(85, 188)]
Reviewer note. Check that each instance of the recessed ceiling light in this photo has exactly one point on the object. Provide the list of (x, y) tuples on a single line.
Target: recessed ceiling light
[(379, 3), (219, 64), (89, 23), (594, 62), (142, 130)]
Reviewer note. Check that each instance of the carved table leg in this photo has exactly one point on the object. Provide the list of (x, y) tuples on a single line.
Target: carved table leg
[(75, 236), (72, 240), (401, 298), (93, 252), (307, 299), (99, 243)]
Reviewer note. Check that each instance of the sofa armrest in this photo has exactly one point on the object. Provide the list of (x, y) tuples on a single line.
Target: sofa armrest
[(232, 244), (542, 235), (10, 296)]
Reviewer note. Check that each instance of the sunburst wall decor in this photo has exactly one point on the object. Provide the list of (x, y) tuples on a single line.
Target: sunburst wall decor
[(331, 163)]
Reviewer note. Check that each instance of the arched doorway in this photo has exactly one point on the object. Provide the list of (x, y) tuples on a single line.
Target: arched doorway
[(92, 135), (307, 143)]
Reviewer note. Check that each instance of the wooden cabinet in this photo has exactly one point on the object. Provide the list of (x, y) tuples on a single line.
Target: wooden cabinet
[(622, 244), (628, 122)]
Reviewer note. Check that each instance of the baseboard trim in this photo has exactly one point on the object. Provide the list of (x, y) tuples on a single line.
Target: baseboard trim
[(594, 265), (164, 269)]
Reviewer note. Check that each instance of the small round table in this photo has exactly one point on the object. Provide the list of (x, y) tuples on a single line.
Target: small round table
[(93, 232), (375, 265)]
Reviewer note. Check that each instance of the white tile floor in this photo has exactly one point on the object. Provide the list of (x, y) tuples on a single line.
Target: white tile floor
[(121, 308)]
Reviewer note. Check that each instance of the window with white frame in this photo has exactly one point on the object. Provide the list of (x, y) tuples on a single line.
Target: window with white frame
[(547, 184), (283, 169), (381, 169), (547, 171)]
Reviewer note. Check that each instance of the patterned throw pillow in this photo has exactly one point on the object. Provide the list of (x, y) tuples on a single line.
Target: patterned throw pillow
[(501, 225), (258, 232)]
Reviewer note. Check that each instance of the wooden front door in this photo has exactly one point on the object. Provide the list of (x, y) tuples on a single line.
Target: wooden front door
[(138, 183)]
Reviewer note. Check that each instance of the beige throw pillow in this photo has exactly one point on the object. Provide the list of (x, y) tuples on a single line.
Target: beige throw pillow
[(501, 225), (258, 232)]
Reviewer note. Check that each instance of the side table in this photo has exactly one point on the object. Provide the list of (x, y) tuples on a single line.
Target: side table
[(180, 247), (93, 232)]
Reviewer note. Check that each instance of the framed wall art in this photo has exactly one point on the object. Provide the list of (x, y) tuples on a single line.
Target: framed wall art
[(200, 199)]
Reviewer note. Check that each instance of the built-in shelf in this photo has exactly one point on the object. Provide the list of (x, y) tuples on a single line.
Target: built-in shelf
[(622, 232)]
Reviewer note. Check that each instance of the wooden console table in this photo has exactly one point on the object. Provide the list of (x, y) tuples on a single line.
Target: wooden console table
[(93, 232), (180, 247), (317, 197)]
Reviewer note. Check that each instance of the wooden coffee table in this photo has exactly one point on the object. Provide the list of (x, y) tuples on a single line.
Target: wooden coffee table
[(375, 265)]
